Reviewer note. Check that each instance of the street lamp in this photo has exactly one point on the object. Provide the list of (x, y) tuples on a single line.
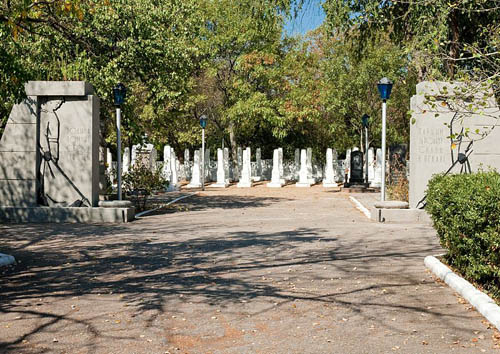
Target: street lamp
[(365, 121), (119, 93), (384, 88), (203, 124)]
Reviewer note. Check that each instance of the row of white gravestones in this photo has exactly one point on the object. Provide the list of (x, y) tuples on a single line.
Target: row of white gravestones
[(303, 170)]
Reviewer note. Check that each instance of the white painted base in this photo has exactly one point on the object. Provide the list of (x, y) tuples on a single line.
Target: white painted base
[(303, 185), (312, 180), (282, 181), (256, 179), (244, 185), (330, 185), (190, 185), (274, 185), (219, 185)]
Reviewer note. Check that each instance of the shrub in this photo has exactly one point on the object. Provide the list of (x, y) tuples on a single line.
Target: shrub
[(465, 210), (141, 182)]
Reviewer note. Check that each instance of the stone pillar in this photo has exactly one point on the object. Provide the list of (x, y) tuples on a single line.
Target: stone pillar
[(239, 164), (187, 167), (196, 173), (377, 178), (312, 179), (329, 180), (166, 171), (207, 165), (246, 172), (174, 168), (153, 157), (347, 165), (282, 171), (109, 165), (226, 164), (258, 165), (297, 164), (222, 180), (304, 180), (276, 178), (126, 160), (371, 165)]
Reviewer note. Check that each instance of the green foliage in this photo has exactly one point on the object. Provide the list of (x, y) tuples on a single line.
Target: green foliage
[(465, 210), (140, 182)]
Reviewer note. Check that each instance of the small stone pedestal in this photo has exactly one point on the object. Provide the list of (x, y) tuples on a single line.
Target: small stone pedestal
[(395, 211)]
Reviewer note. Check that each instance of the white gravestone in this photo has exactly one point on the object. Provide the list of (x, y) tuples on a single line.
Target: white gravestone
[(196, 173), (207, 165), (371, 165), (377, 177), (329, 180), (296, 164), (282, 171), (146, 154), (258, 165), (275, 176), (246, 172), (174, 167), (187, 169), (226, 164), (222, 180), (347, 164), (312, 179), (167, 171), (337, 168), (126, 160), (109, 164), (304, 180)]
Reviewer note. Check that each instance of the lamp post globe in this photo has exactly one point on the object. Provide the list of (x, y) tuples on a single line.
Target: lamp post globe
[(384, 88)]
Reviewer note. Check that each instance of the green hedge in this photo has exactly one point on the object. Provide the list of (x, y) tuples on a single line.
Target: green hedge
[(465, 210)]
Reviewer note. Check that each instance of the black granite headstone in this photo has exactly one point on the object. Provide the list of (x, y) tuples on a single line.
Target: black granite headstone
[(356, 167)]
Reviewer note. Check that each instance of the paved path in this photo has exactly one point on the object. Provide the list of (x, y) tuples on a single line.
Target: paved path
[(233, 271)]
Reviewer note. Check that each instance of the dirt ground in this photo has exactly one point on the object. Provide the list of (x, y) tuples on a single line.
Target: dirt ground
[(256, 270)]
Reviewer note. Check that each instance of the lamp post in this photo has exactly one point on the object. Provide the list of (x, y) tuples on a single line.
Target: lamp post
[(365, 120), (384, 88), (119, 93), (203, 124)]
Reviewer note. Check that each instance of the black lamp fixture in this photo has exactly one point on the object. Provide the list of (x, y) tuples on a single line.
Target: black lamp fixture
[(119, 94), (365, 120), (384, 88), (203, 121)]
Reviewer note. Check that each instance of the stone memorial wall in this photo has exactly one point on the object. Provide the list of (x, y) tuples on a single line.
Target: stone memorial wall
[(431, 148)]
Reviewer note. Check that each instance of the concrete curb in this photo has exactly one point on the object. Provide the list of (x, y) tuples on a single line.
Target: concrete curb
[(361, 207), (482, 302), (6, 259)]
